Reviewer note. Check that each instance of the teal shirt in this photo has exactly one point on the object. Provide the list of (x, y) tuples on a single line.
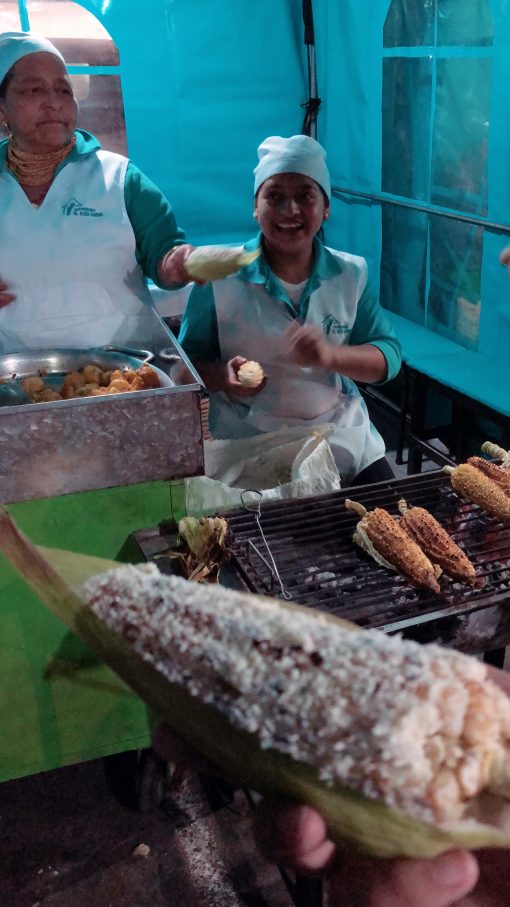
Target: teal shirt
[(199, 329), (150, 214)]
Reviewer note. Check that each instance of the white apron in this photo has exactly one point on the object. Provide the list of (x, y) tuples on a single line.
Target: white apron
[(251, 324), (71, 262)]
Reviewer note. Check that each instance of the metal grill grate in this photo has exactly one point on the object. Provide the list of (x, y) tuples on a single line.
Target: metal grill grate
[(319, 564)]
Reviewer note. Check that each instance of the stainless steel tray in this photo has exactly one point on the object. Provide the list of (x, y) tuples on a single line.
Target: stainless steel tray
[(55, 364), (88, 443)]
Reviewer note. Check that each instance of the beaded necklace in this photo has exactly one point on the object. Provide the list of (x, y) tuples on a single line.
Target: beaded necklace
[(36, 169)]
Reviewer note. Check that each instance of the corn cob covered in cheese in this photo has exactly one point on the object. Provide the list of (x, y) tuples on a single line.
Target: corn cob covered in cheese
[(498, 474), (435, 542), (404, 749), (418, 727), (382, 536), (473, 485)]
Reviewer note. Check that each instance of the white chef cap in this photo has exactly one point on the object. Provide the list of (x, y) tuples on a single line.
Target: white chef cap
[(297, 154), (17, 44)]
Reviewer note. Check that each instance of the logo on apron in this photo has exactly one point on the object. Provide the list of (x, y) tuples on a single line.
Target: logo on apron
[(73, 206), (331, 325)]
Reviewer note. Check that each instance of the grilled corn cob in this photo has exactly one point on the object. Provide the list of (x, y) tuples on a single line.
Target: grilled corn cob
[(379, 530), (435, 542), (473, 485), (498, 474)]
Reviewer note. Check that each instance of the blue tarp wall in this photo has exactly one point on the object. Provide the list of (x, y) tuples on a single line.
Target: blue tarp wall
[(414, 111)]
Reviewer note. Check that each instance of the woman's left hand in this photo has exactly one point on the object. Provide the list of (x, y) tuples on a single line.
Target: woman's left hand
[(305, 345), (172, 266), (504, 258), (6, 296)]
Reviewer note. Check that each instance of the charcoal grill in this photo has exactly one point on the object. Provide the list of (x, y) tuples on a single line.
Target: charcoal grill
[(319, 564)]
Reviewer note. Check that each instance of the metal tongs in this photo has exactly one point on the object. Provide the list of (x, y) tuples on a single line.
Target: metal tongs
[(254, 507)]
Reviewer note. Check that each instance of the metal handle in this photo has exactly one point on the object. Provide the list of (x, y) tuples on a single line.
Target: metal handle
[(144, 355)]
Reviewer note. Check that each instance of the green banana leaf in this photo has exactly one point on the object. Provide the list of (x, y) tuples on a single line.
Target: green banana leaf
[(353, 820)]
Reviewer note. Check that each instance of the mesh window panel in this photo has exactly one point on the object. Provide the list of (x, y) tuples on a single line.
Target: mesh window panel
[(461, 132), (454, 296), (409, 24), (407, 85), (403, 262), (465, 24)]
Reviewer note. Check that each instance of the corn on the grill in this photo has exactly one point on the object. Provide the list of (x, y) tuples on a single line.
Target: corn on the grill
[(436, 543), (498, 475), (417, 727), (393, 543), (473, 485)]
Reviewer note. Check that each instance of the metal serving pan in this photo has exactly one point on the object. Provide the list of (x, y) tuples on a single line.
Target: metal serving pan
[(86, 443), (53, 365)]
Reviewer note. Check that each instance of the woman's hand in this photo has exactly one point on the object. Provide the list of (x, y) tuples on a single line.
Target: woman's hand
[(172, 266), (6, 296), (222, 376), (305, 344), (504, 258)]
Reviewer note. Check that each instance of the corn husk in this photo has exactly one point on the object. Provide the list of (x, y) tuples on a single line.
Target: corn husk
[(364, 824), (204, 548), (497, 452), (215, 262)]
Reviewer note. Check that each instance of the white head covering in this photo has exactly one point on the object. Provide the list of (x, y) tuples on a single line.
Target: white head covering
[(17, 44), (298, 154)]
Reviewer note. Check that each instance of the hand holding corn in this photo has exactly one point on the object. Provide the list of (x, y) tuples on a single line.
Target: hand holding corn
[(404, 749)]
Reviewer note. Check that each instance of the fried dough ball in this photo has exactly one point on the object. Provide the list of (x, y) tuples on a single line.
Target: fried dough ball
[(130, 375), (87, 389), (121, 385), (106, 377), (92, 374), (48, 395), (33, 384), (149, 376), (74, 379)]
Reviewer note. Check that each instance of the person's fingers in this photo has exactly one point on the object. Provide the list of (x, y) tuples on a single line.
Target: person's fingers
[(502, 678), (505, 256), (5, 296), (294, 835), (426, 883), (169, 747)]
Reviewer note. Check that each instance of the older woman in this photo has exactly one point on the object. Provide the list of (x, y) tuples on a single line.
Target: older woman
[(79, 227), (302, 310)]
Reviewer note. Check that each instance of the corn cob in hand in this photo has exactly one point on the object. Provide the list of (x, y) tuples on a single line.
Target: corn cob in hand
[(382, 536), (473, 485), (435, 542), (404, 748)]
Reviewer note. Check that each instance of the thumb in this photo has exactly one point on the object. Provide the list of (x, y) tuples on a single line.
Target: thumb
[(427, 883)]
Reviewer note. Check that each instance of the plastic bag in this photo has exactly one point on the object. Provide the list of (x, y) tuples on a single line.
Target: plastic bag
[(281, 464)]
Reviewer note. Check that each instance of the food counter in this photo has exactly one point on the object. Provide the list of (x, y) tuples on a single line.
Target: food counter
[(58, 704)]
